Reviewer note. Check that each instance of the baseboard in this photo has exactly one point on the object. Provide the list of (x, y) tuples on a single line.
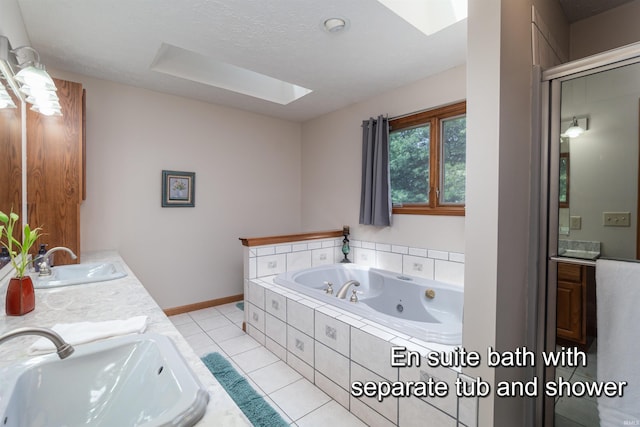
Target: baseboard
[(204, 304)]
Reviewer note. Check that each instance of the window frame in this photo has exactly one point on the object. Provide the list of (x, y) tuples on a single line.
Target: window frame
[(434, 118)]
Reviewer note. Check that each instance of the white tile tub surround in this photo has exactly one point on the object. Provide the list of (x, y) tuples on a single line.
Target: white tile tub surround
[(430, 263), (333, 348)]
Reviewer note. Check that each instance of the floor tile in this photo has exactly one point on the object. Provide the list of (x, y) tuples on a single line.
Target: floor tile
[(180, 319), (187, 329), (299, 399), (210, 323), (204, 313), (212, 348), (225, 333), (199, 340), (229, 308), (580, 410), (235, 317), (330, 414), (253, 359), (274, 377), (237, 345)]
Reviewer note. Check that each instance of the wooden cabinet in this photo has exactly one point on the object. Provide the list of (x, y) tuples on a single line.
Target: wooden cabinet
[(55, 171), (575, 316)]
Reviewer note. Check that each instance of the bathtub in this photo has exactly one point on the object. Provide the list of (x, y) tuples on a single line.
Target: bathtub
[(396, 301)]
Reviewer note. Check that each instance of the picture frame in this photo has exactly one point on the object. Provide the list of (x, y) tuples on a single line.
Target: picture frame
[(178, 189)]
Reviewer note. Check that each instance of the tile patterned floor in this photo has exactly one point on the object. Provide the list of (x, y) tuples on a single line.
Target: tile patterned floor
[(297, 400), (579, 411)]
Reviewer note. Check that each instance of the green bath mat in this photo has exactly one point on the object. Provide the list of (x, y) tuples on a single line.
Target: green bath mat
[(259, 412), (240, 305)]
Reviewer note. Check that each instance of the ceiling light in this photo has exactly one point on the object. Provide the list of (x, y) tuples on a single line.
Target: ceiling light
[(334, 25)]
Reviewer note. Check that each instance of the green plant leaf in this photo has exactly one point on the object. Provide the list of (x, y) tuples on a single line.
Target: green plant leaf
[(14, 216), (3, 217)]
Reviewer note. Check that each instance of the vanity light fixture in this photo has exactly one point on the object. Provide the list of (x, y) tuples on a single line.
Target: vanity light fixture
[(32, 83), (575, 130), (5, 98)]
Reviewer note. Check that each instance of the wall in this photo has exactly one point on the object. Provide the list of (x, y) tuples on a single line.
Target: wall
[(613, 28), (332, 158), (604, 160), (184, 255)]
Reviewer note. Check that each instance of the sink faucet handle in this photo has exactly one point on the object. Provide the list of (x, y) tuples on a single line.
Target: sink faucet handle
[(329, 288), (354, 297)]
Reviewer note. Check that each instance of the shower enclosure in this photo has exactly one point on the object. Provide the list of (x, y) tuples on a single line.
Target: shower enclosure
[(588, 210)]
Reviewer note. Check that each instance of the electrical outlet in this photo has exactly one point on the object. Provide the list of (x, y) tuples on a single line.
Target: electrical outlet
[(417, 266), (272, 264), (616, 219)]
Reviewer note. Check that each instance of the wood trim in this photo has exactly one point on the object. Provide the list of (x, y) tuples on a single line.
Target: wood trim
[(434, 118), (84, 145), (420, 118), (426, 210), (204, 304), (286, 238)]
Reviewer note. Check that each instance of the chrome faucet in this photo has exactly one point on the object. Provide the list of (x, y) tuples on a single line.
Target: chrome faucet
[(45, 262), (63, 348), (342, 293)]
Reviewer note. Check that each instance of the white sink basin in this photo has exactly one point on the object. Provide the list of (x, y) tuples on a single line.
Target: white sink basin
[(76, 274), (135, 380)]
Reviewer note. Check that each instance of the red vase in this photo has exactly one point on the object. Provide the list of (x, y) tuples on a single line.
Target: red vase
[(20, 298)]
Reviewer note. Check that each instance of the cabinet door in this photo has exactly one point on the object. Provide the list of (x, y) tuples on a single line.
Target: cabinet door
[(54, 171), (569, 321)]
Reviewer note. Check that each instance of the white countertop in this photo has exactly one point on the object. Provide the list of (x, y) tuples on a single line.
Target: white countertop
[(116, 299)]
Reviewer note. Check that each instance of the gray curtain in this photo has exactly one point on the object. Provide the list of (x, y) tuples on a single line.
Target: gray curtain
[(375, 199)]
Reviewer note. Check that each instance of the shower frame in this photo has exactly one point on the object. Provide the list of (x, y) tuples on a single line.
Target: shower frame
[(549, 99)]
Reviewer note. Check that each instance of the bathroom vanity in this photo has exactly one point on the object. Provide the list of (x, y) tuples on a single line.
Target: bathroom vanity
[(576, 305), (121, 298)]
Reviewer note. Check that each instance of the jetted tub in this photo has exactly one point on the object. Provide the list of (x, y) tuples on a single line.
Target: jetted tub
[(394, 300)]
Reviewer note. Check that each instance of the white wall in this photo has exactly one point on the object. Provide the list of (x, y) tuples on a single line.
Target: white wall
[(608, 30), (247, 184), (604, 160), (332, 159)]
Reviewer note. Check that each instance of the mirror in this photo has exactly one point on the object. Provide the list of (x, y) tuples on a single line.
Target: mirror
[(599, 169), (11, 157)]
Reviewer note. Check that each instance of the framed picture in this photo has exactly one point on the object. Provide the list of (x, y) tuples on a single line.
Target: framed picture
[(178, 189)]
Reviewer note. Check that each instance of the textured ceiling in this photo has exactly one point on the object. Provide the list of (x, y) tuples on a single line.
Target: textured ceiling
[(118, 40)]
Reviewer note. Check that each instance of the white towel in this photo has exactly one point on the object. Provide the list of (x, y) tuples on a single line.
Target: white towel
[(618, 302), (84, 332)]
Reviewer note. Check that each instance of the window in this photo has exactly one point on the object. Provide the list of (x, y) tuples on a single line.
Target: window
[(427, 161)]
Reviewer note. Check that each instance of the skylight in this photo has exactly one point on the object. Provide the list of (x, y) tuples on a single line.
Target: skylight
[(428, 16), (189, 65)]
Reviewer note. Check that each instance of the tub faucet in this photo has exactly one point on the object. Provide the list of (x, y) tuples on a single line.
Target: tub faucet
[(63, 348), (45, 262), (342, 293)]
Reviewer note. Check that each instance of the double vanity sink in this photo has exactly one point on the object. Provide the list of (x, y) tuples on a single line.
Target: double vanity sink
[(133, 380), (144, 379), (78, 274)]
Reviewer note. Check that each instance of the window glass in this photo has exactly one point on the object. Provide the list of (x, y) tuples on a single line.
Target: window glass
[(454, 141), (409, 165)]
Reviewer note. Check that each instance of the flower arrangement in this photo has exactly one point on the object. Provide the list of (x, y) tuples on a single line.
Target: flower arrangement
[(15, 247)]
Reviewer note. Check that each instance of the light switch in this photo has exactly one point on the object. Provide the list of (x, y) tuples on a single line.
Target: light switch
[(616, 219), (575, 222)]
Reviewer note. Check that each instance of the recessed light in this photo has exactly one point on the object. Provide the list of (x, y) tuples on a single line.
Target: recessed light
[(334, 25)]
